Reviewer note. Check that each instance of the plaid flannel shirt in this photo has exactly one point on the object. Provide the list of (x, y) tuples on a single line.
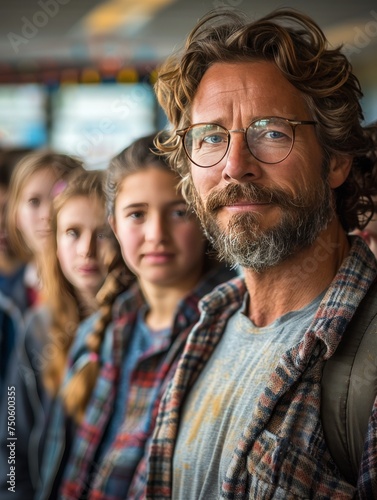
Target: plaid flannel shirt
[(282, 452), (103, 479)]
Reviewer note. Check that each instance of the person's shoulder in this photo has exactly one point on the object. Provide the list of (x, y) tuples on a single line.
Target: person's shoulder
[(9, 308), (37, 321), (128, 301), (4, 301), (84, 329), (38, 314)]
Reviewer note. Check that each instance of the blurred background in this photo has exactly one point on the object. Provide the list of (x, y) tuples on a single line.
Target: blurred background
[(77, 75)]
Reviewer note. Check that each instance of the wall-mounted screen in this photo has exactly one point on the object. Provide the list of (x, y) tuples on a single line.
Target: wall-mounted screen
[(23, 115), (96, 121)]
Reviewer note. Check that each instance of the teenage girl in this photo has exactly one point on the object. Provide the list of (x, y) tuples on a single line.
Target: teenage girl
[(163, 245), (75, 266), (29, 205)]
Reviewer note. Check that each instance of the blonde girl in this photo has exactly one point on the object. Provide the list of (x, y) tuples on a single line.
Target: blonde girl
[(74, 267), (29, 207)]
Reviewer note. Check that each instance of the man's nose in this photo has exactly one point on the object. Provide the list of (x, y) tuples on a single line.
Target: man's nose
[(240, 165)]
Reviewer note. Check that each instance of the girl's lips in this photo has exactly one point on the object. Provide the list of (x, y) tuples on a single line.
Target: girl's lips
[(89, 269), (158, 257)]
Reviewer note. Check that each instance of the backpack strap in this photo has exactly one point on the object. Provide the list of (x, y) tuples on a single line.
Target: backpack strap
[(349, 388)]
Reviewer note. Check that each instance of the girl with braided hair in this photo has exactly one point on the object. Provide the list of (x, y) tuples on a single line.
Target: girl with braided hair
[(74, 267), (132, 358)]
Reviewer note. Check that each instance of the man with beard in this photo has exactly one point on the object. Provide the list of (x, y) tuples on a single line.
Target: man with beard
[(267, 136)]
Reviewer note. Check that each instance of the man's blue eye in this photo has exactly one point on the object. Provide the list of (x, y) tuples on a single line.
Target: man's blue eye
[(274, 134), (213, 139)]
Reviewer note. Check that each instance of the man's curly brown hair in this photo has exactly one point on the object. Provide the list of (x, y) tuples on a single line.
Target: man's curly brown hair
[(298, 47)]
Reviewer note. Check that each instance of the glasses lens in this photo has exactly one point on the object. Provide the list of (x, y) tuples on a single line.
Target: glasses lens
[(270, 140), (206, 144)]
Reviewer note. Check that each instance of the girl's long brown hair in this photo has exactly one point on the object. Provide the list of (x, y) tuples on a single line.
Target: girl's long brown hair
[(60, 297)]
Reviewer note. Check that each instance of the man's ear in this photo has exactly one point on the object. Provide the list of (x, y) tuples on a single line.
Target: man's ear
[(340, 166)]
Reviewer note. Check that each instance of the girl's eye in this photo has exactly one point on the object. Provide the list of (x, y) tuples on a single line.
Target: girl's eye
[(180, 213), (35, 202), (103, 235), (136, 215), (72, 232)]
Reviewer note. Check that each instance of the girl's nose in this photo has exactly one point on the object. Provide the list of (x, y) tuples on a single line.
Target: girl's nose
[(155, 229), (88, 246)]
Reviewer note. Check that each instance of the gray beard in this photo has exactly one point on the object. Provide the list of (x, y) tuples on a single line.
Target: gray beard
[(243, 243)]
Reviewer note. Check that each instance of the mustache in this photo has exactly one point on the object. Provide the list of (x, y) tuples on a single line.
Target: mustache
[(252, 193)]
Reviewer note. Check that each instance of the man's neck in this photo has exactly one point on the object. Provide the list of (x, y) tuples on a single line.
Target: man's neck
[(298, 280)]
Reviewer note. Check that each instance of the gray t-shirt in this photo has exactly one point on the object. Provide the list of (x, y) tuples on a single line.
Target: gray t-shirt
[(223, 398)]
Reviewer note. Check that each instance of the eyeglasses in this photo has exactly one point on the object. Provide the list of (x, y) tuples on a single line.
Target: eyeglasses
[(270, 140)]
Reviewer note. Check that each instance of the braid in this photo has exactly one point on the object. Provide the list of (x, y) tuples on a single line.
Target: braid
[(77, 392)]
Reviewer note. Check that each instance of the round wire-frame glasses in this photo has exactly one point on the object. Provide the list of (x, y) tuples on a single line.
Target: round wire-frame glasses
[(270, 140)]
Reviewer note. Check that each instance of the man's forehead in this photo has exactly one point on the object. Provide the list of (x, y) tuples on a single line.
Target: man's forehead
[(257, 85)]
